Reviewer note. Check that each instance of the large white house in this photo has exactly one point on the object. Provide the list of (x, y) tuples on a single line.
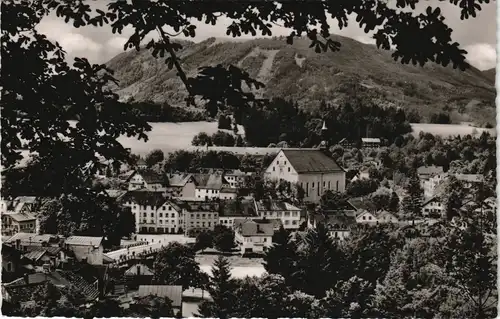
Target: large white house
[(253, 236), (149, 180), (274, 209), (312, 169)]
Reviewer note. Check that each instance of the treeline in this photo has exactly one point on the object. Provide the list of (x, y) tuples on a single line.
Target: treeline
[(154, 112), (284, 121)]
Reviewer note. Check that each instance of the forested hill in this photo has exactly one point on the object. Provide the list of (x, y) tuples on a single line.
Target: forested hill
[(297, 72)]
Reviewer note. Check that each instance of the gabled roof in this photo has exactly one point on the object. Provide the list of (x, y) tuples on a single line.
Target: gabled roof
[(173, 293), (229, 190), (115, 193), (22, 217), (32, 238), (210, 181), (152, 177), (254, 227), (84, 241), (246, 209), (337, 221), (383, 213), (432, 199), (141, 161), (179, 180), (311, 161), (430, 170), (141, 269), (26, 199), (196, 206), (35, 255), (275, 205), (51, 250)]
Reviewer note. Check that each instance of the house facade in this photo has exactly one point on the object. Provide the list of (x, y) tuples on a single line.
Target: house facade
[(198, 216), (209, 186), (370, 142), (253, 236), (367, 218), (14, 222), (433, 206), (182, 185), (148, 180), (274, 209), (312, 169), (86, 248)]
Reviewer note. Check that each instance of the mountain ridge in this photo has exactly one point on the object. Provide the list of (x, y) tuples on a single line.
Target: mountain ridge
[(297, 72)]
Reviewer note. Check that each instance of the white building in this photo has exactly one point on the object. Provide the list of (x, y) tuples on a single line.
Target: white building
[(339, 224), (431, 184), (367, 218), (274, 209), (433, 206), (253, 236), (209, 186), (148, 180), (369, 142), (153, 212), (386, 217), (312, 169)]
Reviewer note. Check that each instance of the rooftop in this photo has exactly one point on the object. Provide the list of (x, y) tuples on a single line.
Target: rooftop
[(137, 269), (255, 227), (311, 161), (370, 140), (173, 293), (275, 205), (429, 170), (22, 217), (32, 238), (84, 241)]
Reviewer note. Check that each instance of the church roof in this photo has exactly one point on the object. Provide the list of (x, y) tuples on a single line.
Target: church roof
[(311, 161)]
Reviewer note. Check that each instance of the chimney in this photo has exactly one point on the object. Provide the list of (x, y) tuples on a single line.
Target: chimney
[(18, 244)]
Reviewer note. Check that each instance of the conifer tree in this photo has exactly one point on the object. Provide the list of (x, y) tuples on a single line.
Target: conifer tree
[(412, 203), (280, 258)]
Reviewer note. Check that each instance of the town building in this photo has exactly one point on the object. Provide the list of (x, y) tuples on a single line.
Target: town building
[(234, 209), (236, 178), (182, 185), (426, 172), (12, 265), (14, 222), (384, 217), (312, 169), (338, 224), (228, 193), (369, 142), (141, 164), (153, 212), (274, 209), (198, 216), (367, 218), (432, 183), (253, 236), (174, 293), (86, 248), (433, 207), (148, 180), (209, 186)]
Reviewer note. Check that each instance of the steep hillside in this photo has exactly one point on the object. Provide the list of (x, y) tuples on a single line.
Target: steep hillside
[(490, 74), (297, 72)]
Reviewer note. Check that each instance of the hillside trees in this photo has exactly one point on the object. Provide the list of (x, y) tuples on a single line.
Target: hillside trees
[(154, 157), (412, 202)]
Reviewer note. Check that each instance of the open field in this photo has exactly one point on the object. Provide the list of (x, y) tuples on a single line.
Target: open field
[(446, 130)]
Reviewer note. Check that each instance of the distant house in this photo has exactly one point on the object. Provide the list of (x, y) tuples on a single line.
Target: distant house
[(138, 274), (253, 236), (469, 180), (24, 204), (361, 204), (86, 248), (236, 177), (39, 256), (369, 142), (15, 222), (432, 183), (426, 172), (365, 217), (312, 169), (384, 216), (274, 209), (339, 224), (182, 185), (23, 240), (346, 144), (361, 174), (149, 180), (209, 186), (174, 293), (433, 206), (228, 193), (141, 164)]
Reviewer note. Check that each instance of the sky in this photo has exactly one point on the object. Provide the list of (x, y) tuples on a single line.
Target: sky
[(99, 45)]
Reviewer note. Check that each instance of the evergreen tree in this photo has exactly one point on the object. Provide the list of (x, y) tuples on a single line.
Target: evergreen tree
[(453, 198), (394, 203), (412, 203), (281, 257), (221, 288)]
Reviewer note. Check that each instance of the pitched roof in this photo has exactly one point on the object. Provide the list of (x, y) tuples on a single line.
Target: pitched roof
[(115, 193), (275, 205), (179, 180), (22, 217), (32, 238), (210, 181), (229, 190), (35, 255), (84, 241), (311, 161), (360, 203), (338, 221), (383, 213), (152, 177), (26, 199), (370, 140), (254, 227), (144, 197), (246, 209), (141, 161), (429, 170), (471, 178), (139, 269), (51, 250), (173, 293)]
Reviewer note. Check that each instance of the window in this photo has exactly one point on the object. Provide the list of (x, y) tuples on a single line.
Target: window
[(274, 169), (192, 215), (9, 266), (169, 208), (172, 215), (265, 239), (328, 184), (287, 222), (294, 214), (144, 215), (152, 214), (163, 208), (278, 162), (369, 218), (364, 217), (161, 214), (337, 186), (161, 221), (307, 189), (324, 184), (208, 224), (203, 216), (287, 214), (294, 222), (289, 169), (312, 185)]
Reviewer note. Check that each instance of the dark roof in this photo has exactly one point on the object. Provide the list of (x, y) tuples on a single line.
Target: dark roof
[(229, 190), (246, 209), (141, 161), (195, 206), (254, 227), (275, 205), (360, 203), (142, 197), (152, 177), (179, 180), (311, 161), (35, 255), (210, 181), (51, 250), (337, 221), (173, 293)]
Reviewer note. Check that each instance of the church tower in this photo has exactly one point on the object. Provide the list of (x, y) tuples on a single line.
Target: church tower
[(324, 143)]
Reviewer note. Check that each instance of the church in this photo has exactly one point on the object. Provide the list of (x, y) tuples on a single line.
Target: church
[(311, 168)]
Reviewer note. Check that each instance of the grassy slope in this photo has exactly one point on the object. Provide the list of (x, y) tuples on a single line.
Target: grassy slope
[(362, 68)]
